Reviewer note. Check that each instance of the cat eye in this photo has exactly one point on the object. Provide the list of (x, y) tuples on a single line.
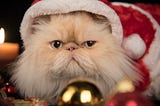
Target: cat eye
[(56, 44), (89, 43)]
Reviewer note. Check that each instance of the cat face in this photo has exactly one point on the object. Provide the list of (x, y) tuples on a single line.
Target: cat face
[(70, 45), (66, 46)]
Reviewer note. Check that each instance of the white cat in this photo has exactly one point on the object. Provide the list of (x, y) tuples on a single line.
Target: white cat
[(63, 47)]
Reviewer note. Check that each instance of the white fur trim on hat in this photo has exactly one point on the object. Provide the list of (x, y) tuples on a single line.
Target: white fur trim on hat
[(47, 7)]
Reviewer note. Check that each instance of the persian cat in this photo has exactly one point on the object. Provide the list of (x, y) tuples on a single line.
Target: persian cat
[(67, 46)]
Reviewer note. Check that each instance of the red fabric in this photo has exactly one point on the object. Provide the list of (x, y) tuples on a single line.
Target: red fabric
[(35, 1), (153, 9), (143, 85), (106, 2), (134, 21)]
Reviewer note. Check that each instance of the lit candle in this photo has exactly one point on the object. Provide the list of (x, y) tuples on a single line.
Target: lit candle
[(8, 51)]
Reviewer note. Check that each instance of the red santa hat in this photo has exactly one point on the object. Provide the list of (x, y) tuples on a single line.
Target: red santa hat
[(135, 29), (141, 39)]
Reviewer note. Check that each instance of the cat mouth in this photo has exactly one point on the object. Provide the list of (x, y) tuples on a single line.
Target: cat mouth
[(72, 61), (75, 67)]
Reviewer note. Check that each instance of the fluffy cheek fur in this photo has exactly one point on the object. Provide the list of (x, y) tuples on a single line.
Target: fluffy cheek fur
[(41, 73), (44, 72)]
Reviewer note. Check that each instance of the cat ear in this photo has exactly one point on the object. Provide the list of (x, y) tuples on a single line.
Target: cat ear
[(38, 21)]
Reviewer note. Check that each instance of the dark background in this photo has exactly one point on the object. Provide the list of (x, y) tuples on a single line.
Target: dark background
[(12, 11)]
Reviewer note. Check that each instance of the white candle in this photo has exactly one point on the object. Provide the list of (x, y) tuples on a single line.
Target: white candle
[(8, 51)]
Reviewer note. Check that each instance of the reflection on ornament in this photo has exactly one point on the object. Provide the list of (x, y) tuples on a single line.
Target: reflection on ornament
[(66, 97), (81, 93), (8, 89), (131, 103), (85, 96)]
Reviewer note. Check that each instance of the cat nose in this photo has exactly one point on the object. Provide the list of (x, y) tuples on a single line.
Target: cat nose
[(71, 46)]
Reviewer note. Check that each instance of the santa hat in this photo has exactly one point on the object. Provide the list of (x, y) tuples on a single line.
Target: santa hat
[(140, 42), (141, 39), (48, 7)]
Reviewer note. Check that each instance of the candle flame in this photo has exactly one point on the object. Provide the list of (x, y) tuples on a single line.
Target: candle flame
[(2, 35)]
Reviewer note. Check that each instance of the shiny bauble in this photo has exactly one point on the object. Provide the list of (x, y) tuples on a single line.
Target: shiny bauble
[(81, 93), (129, 99)]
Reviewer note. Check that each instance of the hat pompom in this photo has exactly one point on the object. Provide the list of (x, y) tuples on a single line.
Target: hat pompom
[(134, 46)]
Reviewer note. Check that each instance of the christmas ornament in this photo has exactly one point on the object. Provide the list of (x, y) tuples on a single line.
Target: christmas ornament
[(81, 93), (9, 89), (126, 95), (129, 99)]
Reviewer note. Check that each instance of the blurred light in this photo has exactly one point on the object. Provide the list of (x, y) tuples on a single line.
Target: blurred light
[(9, 90), (85, 96), (68, 94), (125, 86), (131, 103), (7, 83), (2, 35)]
